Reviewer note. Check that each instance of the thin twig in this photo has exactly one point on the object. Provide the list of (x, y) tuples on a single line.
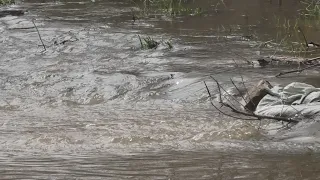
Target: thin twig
[(218, 109), (242, 81), (305, 39), (39, 35), (238, 90), (259, 117), (229, 95), (297, 70), (279, 46), (207, 89), (142, 45), (21, 28)]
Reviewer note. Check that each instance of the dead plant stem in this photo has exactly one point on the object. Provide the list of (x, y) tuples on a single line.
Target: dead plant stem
[(39, 34)]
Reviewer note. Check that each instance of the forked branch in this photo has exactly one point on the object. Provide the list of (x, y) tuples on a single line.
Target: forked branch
[(250, 115)]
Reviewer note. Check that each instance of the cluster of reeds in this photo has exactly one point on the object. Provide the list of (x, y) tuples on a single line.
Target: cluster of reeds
[(312, 8), (166, 7), (150, 43), (6, 2)]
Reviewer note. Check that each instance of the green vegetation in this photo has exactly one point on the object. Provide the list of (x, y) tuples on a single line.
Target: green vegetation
[(175, 8), (6, 2), (291, 34), (168, 43), (150, 43), (166, 7), (312, 8)]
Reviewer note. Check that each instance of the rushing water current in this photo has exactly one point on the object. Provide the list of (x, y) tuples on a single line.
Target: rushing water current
[(93, 105)]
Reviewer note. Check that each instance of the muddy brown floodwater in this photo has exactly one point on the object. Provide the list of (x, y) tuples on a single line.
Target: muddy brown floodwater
[(96, 106)]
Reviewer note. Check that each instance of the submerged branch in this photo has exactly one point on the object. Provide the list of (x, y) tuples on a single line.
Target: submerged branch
[(297, 70), (228, 95), (252, 116), (219, 109)]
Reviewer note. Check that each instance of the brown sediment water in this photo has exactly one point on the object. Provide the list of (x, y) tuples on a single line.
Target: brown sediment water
[(96, 106)]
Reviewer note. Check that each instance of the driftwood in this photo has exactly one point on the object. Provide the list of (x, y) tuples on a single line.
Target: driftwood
[(297, 70), (309, 63), (301, 65), (4, 13), (255, 94), (278, 61), (248, 115)]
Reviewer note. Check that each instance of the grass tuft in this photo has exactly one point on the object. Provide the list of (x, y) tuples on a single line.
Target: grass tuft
[(312, 8), (148, 43), (167, 7), (168, 43), (6, 2)]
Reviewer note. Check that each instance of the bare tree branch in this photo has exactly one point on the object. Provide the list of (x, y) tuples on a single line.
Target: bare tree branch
[(218, 109), (254, 117), (242, 81), (228, 95), (238, 90), (297, 70)]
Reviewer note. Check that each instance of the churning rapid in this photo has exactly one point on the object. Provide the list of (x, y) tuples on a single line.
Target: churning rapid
[(94, 105)]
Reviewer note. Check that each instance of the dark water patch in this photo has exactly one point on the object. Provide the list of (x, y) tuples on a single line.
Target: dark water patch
[(165, 165)]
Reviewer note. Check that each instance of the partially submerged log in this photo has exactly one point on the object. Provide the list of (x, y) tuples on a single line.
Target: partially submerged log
[(245, 115), (255, 94), (279, 61), (11, 12)]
